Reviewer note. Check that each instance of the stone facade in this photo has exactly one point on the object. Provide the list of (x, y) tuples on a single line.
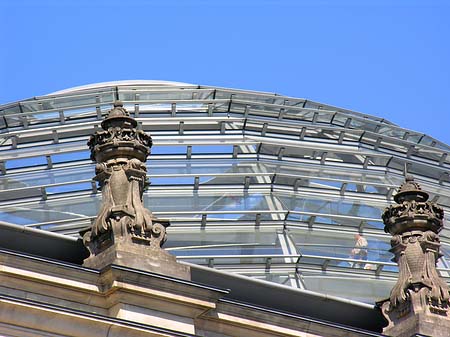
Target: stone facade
[(47, 298)]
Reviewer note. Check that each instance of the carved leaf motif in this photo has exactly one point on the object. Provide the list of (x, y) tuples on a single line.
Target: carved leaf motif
[(439, 290), (102, 222), (398, 293)]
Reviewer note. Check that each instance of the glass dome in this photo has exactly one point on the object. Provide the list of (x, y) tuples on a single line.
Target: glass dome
[(259, 184)]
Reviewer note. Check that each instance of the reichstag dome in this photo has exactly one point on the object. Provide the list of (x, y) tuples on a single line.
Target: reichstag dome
[(258, 184)]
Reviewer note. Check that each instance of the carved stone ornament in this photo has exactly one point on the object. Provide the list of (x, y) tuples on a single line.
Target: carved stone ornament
[(419, 301), (124, 231)]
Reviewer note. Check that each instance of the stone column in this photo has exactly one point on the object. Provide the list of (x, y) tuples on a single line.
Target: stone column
[(419, 301), (125, 232)]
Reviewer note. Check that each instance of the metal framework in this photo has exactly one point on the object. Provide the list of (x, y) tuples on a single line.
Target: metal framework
[(260, 184)]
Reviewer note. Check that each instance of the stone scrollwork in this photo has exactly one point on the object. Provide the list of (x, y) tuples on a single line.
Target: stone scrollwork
[(122, 184), (159, 234)]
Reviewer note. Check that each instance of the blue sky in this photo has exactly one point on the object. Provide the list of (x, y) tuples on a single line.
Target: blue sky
[(385, 58)]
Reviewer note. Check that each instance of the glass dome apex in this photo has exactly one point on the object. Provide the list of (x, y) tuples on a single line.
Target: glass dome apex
[(183, 85), (120, 83)]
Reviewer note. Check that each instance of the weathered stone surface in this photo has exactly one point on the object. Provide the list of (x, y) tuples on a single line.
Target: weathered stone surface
[(47, 298), (143, 255), (124, 231), (419, 301), (415, 317)]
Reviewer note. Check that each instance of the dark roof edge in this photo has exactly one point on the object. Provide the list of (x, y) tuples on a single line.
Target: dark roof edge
[(282, 298), (284, 287), (35, 231), (42, 243)]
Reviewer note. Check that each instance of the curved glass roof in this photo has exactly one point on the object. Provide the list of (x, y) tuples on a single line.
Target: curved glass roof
[(260, 184), (147, 83)]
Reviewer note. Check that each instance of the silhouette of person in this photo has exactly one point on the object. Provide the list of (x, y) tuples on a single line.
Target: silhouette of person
[(360, 251)]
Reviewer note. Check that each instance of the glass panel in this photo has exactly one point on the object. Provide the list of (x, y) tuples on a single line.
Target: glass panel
[(157, 181), (354, 288), (34, 151), (170, 149), (392, 132), (46, 177), (340, 120), (310, 170), (333, 207), (253, 97), (70, 101), (224, 202), (48, 211), (416, 169), (156, 167), (222, 242), (137, 93), (286, 278), (13, 121), (325, 117), (429, 154), (211, 149), (72, 156), (339, 244), (25, 162), (83, 186)]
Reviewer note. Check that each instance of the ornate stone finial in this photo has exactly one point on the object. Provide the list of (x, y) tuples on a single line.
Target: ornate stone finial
[(119, 138), (413, 211), (125, 232), (419, 301), (120, 152), (410, 190)]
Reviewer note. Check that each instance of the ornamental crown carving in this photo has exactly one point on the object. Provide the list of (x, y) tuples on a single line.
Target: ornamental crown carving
[(413, 212), (119, 138)]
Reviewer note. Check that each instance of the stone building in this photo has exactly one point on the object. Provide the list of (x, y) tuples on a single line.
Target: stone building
[(268, 210)]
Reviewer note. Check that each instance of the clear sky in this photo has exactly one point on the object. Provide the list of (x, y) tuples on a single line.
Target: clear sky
[(386, 58)]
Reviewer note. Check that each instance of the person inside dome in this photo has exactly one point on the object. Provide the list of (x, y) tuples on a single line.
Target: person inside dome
[(360, 251)]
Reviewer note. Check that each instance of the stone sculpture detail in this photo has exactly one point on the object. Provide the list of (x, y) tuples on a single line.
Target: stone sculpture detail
[(120, 151), (125, 232), (414, 224)]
